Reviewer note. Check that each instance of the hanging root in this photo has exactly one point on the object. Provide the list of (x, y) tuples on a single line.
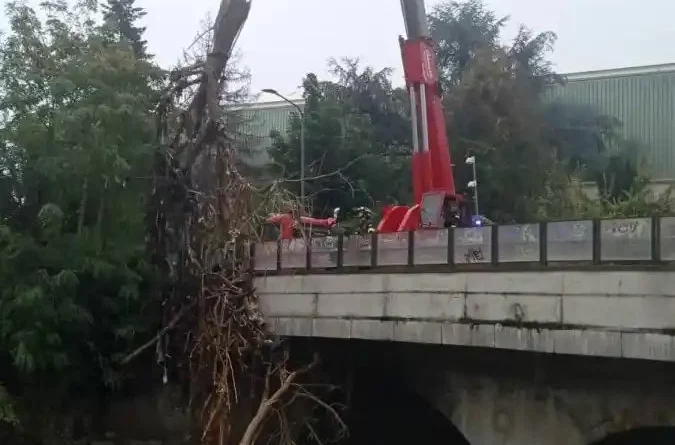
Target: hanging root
[(203, 215)]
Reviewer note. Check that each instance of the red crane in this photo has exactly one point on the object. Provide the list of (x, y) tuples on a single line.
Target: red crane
[(288, 222), (436, 202)]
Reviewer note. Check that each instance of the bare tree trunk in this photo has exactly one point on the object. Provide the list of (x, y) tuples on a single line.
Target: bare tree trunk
[(205, 106)]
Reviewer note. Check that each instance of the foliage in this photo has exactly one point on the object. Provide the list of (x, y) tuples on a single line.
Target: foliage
[(564, 198), (76, 141), (7, 412), (579, 134), (356, 139), (494, 116), (494, 106), (497, 110), (120, 17), (592, 142), (460, 30)]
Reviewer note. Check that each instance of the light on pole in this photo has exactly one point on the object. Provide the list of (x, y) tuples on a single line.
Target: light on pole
[(471, 160), (302, 140)]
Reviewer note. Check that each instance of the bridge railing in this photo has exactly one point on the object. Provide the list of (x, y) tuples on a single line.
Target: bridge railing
[(616, 241)]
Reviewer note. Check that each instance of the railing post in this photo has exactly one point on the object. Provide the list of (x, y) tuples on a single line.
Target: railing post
[(308, 252), (656, 239), (373, 249), (451, 246), (279, 246), (238, 252), (243, 251), (251, 254), (340, 251), (494, 244), (597, 244), (543, 243), (411, 248)]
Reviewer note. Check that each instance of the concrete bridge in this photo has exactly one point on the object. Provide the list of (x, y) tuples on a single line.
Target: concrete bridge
[(592, 295)]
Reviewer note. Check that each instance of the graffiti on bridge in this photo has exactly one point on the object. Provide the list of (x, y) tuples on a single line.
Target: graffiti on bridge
[(474, 255), (628, 229)]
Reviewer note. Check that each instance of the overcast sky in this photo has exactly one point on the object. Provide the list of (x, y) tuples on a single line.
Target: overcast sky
[(285, 39)]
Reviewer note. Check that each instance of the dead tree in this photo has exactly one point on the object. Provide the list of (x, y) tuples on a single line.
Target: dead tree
[(200, 210)]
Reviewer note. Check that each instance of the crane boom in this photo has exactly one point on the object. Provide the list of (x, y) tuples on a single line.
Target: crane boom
[(431, 151), (432, 176)]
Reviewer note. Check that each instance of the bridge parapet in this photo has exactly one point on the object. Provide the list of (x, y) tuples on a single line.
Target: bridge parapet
[(585, 242)]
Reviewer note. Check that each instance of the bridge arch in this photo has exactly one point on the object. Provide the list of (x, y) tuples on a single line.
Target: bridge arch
[(389, 411), (381, 404)]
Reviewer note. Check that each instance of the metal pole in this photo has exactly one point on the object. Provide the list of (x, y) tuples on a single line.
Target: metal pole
[(302, 140), (475, 190), (302, 158)]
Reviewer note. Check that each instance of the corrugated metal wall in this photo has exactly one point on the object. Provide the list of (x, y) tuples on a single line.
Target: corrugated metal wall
[(259, 122), (645, 104)]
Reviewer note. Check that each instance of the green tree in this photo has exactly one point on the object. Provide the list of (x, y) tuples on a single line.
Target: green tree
[(592, 145), (580, 134), (460, 30), (120, 17), (494, 114), (496, 105), (356, 137), (76, 145)]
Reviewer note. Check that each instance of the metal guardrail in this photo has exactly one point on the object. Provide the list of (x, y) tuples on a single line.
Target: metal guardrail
[(633, 240)]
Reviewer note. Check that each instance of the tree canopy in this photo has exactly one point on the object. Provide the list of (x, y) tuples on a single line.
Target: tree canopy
[(77, 145), (120, 18), (356, 137)]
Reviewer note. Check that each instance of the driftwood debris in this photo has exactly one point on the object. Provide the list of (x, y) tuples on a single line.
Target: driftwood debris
[(213, 332)]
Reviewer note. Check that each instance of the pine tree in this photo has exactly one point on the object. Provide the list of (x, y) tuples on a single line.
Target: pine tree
[(121, 17)]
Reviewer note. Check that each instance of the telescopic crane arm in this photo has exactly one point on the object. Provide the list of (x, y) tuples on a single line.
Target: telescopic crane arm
[(431, 151), (436, 202)]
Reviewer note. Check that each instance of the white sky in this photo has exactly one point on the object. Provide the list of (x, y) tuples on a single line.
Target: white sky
[(285, 39)]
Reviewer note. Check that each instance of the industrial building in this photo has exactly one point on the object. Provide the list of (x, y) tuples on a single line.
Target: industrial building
[(258, 121), (642, 98)]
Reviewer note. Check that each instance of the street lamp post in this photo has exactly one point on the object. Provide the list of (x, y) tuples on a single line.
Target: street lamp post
[(302, 140), (471, 160)]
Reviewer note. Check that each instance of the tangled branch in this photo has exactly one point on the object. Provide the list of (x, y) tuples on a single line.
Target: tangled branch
[(201, 209)]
